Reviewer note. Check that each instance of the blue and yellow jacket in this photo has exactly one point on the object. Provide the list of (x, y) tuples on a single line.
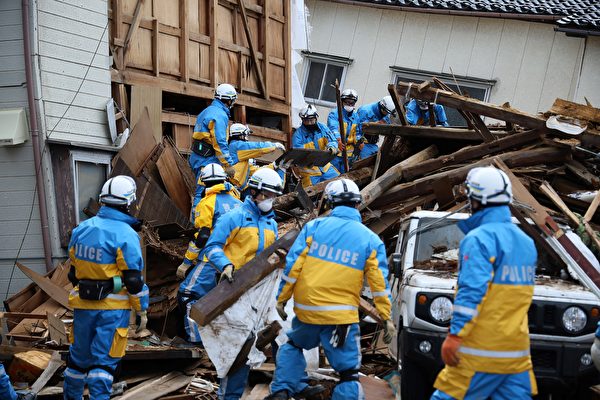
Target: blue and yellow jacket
[(371, 113), (495, 288), (416, 116), (241, 153), (212, 126), (100, 248), (326, 266), (240, 235), (351, 126), (320, 139)]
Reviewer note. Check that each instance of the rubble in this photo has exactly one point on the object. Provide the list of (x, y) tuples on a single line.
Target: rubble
[(555, 180)]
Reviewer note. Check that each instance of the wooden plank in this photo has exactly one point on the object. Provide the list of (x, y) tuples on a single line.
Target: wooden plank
[(57, 293), (475, 106), (575, 110), (21, 315), (53, 366), (157, 388), (425, 132), (155, 48), (213, 51), (137, 15), (376, 389), (257, 65), (258, 392), (370, 310), (172, 179), (140, 145), (393, 176), (149, 97), (183, 40), (582, 174), (589, 214), (57, 329), (226, 293), (400, 110)]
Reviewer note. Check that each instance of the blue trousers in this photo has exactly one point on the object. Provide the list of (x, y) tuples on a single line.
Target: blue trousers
[(6, 389), (198, 282), (495, 386), (100, 340), (197, 162), (232, 386), (368, 150), (290, 372)]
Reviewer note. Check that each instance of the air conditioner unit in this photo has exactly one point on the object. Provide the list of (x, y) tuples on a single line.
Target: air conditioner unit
[(14, 128)]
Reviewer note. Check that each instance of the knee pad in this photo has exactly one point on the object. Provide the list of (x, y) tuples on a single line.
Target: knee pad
[(349, 375)]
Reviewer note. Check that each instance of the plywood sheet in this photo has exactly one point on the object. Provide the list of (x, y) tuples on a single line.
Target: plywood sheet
[(140, 145), (172, 179), (149, 97)]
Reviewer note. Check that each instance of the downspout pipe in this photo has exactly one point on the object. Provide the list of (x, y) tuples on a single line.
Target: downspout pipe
[(35, 139)]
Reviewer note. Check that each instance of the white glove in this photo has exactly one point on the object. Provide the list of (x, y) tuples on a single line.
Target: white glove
[(389, 331), (181, 270), (281, 311), (332, 150), (279, 146), (141, 320), (596, 353), (227, 273)]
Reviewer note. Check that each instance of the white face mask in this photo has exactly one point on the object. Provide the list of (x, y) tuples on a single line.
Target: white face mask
[(349, 108), (266, 205)]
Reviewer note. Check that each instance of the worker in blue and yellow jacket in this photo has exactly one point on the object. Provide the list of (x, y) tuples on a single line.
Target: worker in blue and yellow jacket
[(349, 98), (325, 270), (237, 238), (486, 351), (243, 154), (314, 135), (106, 272), (6, 389), (379, 111), (220, 197), (417, 113), (209, 140)]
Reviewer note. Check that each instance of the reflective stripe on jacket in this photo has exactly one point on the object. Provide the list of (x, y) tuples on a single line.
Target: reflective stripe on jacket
[(212, 127), (326, 266), (240, 235), (495, 288), (100, 248)]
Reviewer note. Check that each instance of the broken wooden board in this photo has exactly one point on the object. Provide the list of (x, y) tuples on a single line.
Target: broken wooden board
[(139, 147), (575, 110), (28, 366), (306, 157), (226, 293), (582, 174), (147, 98), (258, 392), (173, 180), (425, 132), (53, 366), (57, 293), (156, 388), (57, 329)]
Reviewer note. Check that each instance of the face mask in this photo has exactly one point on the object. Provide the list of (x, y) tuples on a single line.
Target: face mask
[(349, 108), (311, 128), (266, 205)]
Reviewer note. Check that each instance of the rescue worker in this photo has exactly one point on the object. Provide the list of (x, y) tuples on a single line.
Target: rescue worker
[(486, 351), (325, 269), (6, 389), (106, 272), (417, 113), (314, 135), (349, 98), (220, 197), (244, 152), (209, 144), (237, 238), (379, 111)]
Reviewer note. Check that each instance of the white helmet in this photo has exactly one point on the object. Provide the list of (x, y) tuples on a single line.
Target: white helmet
[(225, 91), (342, 191), (118, 191), (489, 186), (308, 111), (239, 131), (266, 179), (213, 172), (387, 104), (349, 94)]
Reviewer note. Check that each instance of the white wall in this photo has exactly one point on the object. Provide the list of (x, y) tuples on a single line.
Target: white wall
[(532, 64)]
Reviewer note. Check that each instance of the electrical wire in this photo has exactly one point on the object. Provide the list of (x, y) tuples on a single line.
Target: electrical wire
[(39, 166)]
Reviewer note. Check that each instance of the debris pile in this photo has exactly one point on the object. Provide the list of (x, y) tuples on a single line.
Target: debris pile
[(553, 161)]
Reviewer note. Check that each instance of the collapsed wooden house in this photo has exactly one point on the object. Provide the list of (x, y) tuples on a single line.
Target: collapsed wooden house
[(418, 167)]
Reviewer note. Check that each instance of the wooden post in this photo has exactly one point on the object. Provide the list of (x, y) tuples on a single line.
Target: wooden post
[(338, 100), (213, 53), (184, 40), (259, 73), (155, 47)]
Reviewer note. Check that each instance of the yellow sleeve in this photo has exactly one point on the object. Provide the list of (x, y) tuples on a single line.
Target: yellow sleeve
[(205, 210), (377, 283)]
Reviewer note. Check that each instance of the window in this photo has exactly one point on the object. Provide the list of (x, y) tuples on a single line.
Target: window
[(90, 171), (472, 87), (320, 73)]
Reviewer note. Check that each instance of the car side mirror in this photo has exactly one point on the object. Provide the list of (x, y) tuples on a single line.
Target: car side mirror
[(397, 264)]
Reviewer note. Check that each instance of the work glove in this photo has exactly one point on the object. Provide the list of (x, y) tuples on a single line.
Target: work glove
[(230, 171), (341, 145), (279, 146), (596, 353), (281, 311), (182, 270), (389, 331), (450, 349), (141, 320), (227, 273), (332, 150)]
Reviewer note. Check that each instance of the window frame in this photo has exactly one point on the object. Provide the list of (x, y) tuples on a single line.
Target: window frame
[(326, 59), (93, 157)]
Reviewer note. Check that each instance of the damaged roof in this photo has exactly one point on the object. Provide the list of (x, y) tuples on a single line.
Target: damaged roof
[(578, 14)]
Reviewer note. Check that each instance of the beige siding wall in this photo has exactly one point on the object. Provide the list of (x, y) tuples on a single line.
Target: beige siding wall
[(531, 63), (69, 32)]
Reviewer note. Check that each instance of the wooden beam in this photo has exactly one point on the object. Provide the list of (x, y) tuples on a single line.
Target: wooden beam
[(466, 116), (213, 52), (137, 15), (475, 106), (183, 40), (57, 293), (393, 176), (155, 48), (157, 388), (470, 153), (425, 132), (575, 110), (582, 173), (226, 293), (173, 180), (400, 111), (589, 214)]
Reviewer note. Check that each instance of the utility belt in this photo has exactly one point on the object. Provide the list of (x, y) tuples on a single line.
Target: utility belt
[(90, 289), (202, 148)]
